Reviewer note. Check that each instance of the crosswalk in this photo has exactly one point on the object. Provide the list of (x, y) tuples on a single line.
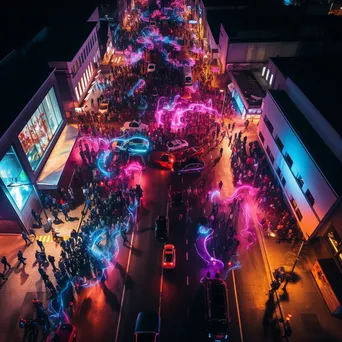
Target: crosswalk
[(48, 238)]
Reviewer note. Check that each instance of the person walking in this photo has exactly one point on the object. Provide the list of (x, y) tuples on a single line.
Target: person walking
[(25, 238), (220, 185), (33, 232), (5, 263), (52, 261), (65, 212), (21, 258), (40, 245), (72, 195), (36, 216)]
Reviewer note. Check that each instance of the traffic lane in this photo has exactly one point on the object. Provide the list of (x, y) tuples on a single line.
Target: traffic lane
[(97, 307), (252, 292), (174, 306), (144, 273)]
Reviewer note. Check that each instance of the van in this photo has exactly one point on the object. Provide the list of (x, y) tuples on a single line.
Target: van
[(216, 309), (187, 76)]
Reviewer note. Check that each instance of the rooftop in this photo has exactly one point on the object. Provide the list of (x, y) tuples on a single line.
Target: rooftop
[(310, 74), (210, 4), (249, 86), (273, 24), (320, 152), (62, 42), (23, 78)]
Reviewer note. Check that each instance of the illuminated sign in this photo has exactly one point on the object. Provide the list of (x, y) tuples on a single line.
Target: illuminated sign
[(192, 21)]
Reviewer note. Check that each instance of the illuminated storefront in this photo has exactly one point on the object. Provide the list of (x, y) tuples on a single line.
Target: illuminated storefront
[(40, 129), (15, 179)]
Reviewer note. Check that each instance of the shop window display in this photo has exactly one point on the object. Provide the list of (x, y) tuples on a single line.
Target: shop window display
[(38, 132), (15, 179)]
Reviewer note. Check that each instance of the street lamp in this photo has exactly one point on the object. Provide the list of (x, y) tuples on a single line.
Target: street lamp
[(16, 185)]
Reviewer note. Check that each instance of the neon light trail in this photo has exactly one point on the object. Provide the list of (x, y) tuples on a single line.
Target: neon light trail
[(137, 86)]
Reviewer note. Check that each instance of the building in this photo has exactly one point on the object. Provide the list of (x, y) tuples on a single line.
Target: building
[(301, 133), (250, 36), (33, 120)]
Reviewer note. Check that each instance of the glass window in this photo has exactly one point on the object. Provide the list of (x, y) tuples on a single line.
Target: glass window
[(267, 74), (334, 240), (288, 160), (83, 86), (79, 88), (261, 137), (77, 96), (39, 130), (263, 71), (268, 124), (309, 197), (15, 179), (279, 143), (271, 79)]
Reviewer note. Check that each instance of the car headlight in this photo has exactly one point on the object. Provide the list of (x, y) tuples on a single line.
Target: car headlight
[(209, 335)]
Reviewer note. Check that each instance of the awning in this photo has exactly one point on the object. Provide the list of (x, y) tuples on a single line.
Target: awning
[(53, 169)]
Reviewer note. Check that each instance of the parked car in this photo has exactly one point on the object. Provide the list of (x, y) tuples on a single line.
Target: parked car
[(169, 256), (135, 125), (162, 228), (176, 145), (147, 327), (163, 159), (103, 109), (189, 152), (190, 165), (137, 145)]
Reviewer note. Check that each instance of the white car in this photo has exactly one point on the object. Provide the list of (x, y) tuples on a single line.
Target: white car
[(176, 145), (151, 67), (103, 109), (135, 125)]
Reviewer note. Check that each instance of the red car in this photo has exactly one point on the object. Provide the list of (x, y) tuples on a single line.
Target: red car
[(163, 159), (189, 152), (64, 333)]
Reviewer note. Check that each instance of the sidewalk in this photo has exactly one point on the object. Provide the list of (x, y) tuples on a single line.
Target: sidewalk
[(24, 283), (311, 318)]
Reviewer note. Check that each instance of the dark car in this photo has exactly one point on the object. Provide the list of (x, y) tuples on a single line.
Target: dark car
[(190, 165), (162, 228), (147, 327)]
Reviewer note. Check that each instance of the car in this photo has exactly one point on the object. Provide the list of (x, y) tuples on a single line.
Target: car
[(103, 109), (151, 67), (169, 256), (64, 333), (161, 228), (135, 126), (190, 165), (189, 152), (216, 309), (163, 159), (147, 327), (176, 145), (133, 144)]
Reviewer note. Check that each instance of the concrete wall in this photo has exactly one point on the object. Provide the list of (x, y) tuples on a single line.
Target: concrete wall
[(318, 122), (302, 164), (259, 51)]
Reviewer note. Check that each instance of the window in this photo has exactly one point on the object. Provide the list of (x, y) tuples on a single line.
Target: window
[(309, 197), (279, 143), (267, 74), (82, 81), (271, 79), (279, 172), (268, 124), (293, 203), (15, 179), (40, 128), (263, 71), (299, 214), (283, 181), (299, 180), (270, 154), (261, 137), (335, 243), (77, 96), (79, 88), (288, 160)]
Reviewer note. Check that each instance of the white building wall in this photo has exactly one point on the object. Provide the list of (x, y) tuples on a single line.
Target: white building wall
[(279, 79), (318, 122), (259, 51), (302, 164), (223, 43)]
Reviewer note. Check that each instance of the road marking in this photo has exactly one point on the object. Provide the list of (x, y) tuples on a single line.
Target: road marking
[(187, 256), (187, 280), (124, 288), (237, 306), (161, 290), (186, 241)]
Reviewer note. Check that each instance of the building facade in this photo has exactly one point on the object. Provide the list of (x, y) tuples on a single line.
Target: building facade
[(24, 148)]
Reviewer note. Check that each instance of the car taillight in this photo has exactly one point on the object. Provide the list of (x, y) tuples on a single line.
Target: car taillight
[(171, 263)]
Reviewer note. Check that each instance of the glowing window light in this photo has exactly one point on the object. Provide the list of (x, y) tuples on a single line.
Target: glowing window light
[(80, 89), (77, 96), (82, 82), (267, 74), (271, 79), (263, 71)]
